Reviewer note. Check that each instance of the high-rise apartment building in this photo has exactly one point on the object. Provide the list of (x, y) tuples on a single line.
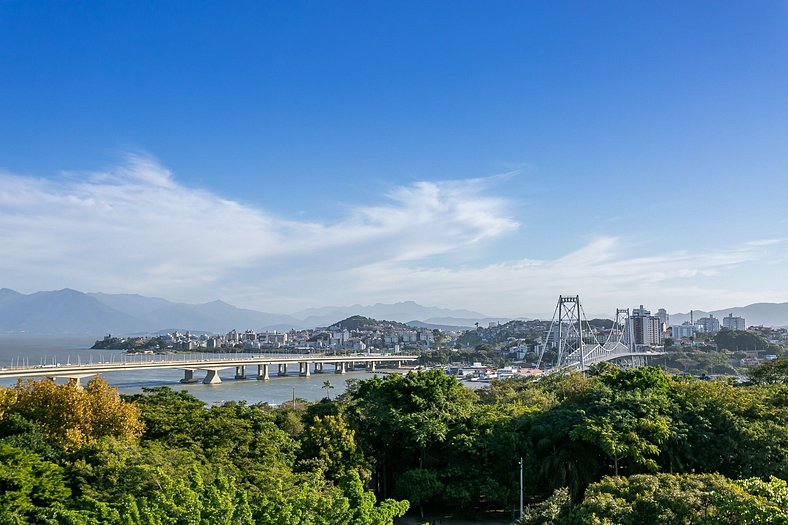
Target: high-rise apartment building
[(644, 329), (734, 323), (709, 324), (664, 318), (682, 331)]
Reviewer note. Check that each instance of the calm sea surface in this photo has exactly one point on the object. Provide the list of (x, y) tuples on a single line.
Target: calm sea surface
[(47, 350)]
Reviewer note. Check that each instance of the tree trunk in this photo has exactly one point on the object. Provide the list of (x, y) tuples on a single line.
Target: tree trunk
[(385, 479)]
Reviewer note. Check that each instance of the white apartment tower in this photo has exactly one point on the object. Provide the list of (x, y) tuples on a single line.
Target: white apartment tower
[(709, 324), (683, 331), (733, 323)]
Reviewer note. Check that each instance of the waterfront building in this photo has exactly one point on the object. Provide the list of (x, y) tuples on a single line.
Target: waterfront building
[(272, 338)]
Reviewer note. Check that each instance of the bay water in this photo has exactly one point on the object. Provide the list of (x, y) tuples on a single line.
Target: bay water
[(34, 350)]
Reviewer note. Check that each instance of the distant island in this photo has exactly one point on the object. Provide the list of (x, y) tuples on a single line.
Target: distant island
[(129, 343)]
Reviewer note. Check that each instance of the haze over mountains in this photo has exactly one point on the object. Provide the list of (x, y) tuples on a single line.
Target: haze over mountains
[(72, 312), (403, 312), (767, 314)]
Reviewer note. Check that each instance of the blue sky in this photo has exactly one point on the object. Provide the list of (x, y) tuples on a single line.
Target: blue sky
[(484, 155)]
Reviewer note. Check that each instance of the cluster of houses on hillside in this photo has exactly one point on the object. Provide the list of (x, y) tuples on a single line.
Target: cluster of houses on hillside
[(519, 342), (319, 339)]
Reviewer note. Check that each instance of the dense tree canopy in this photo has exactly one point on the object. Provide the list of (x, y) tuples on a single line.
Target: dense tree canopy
[(770, 372), (741, 341), (703, 499), (616, 446), (73, 455)]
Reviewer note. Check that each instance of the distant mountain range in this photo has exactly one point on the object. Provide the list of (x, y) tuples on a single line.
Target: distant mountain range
[(72, 312), (401, 312), (767, 314)]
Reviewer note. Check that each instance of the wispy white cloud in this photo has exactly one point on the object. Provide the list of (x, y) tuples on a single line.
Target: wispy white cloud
[(603, 271), (765, 242), (137, 229)]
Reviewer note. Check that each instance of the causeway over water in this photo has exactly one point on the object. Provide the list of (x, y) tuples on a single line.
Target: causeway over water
[(262, 367)]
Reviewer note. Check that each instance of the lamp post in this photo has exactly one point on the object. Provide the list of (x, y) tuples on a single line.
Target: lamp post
[(521, 487)]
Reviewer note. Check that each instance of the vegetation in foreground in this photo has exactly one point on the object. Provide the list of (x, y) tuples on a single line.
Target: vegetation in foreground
[(85, 456), (620, 446)]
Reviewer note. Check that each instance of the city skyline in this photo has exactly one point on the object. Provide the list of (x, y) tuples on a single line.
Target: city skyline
[(281, 157)]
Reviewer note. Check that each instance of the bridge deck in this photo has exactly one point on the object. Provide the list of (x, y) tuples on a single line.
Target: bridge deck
[(89, 369)]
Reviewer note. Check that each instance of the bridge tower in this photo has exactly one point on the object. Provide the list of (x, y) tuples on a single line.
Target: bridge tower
[(576, 343), (622, 330), (566, 333)]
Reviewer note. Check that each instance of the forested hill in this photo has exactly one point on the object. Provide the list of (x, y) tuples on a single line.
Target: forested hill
[(359, 323), (499, 333), (742, 341)]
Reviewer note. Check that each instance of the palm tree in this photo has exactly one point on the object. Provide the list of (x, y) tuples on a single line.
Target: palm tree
[(327, 386)]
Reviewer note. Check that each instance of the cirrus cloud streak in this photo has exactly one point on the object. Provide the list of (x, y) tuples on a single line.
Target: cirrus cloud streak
[(136, 229)]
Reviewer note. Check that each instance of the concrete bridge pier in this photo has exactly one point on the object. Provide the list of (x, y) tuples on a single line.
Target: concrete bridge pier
[(282, 370), (188, 376), (339, 368), (318, 368), (212, 377), (240, 372), (262, 372), (370, 366), (75, 382), (303, 369)]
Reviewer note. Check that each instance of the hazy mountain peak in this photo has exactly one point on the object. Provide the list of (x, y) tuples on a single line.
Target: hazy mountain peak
[(401, 312), (69, 311), (219, 302), (64, 291)]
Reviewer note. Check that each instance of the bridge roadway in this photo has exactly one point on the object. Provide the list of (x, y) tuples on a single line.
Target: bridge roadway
[(211, 366), (615, 352)]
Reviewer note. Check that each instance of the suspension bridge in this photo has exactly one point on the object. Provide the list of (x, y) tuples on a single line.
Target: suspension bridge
[(578, 346)]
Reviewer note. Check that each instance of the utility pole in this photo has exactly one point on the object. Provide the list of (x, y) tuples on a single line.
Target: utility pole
[(580, 333), (521, 487)]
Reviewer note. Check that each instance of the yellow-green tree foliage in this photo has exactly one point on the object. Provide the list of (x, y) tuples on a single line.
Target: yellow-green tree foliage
[(70, 415), (7, 400), (330, 441)]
